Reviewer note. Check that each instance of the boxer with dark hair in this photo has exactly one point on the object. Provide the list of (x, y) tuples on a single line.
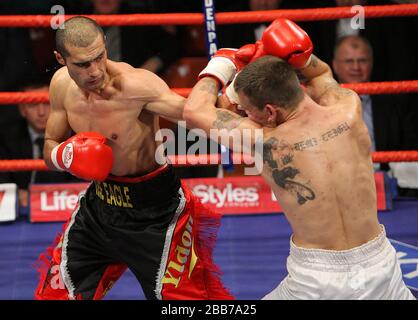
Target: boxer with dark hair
[(136, 213), (317, 159)]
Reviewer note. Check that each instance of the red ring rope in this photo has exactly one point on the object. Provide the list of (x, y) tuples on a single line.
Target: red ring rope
[(181, 160), (221, 18), (360, 88)]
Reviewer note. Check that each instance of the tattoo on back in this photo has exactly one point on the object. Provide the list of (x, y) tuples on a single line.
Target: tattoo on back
[(284, 173), (283, 170), (325, 137)]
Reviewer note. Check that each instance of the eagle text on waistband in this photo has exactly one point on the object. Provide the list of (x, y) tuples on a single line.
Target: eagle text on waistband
[(114, 194)]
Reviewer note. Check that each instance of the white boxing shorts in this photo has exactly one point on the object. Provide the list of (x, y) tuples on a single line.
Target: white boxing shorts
[(368, 272)]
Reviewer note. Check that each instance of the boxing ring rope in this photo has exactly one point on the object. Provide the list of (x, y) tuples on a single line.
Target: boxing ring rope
[(389, 87), (205, 159), (395, 10), (316, 14)]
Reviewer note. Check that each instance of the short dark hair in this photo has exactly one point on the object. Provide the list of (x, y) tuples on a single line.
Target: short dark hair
[(270, 80), (78, 31)]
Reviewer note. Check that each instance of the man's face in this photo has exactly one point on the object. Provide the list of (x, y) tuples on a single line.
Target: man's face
[(106, 6), (87, 66), (353, 62), (263, 117), (36, 114)]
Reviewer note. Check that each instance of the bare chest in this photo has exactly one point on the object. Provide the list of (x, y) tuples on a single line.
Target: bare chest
[(113, 118)]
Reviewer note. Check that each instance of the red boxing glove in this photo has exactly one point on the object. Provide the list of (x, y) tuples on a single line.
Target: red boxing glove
[(251, 52), (223, 66), (84, 155), (283, 39)]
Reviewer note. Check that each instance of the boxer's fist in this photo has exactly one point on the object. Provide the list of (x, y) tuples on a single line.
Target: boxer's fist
[(223, 66), (251, 52), (283, 39), (84, 155), (288, 41)]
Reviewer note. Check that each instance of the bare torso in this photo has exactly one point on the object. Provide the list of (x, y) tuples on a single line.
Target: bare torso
[(322, 176), (121, 118)]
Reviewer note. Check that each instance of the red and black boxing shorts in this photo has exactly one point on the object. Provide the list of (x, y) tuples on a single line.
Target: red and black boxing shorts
[(152, 225)]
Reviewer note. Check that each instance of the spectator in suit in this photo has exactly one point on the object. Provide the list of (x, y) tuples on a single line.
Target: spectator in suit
[(390, 119), (386, 116), (390, 63), (24, 139)]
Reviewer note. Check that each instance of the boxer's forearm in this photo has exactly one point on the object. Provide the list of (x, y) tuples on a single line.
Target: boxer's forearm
[(319, 79), (315, 68), (201, 102), (48, 147)]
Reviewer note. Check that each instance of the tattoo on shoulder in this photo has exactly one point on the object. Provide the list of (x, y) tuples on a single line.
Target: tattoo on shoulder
[(284, 172), (227, 120)]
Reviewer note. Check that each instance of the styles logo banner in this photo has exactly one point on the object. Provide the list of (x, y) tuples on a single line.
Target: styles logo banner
[(233, 195)]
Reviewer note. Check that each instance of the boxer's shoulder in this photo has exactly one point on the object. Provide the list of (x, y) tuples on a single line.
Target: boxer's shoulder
[(116, 68), (60, 77), (60, 83), (138, 83)]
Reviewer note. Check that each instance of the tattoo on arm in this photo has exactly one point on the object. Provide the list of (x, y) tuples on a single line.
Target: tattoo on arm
[(314, 61), (208, 87), (284, 176), (227, 120)]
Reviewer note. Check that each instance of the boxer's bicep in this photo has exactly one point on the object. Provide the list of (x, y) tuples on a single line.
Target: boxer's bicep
[(168, 105), (159, 99), (322, 87), (199, 110)]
